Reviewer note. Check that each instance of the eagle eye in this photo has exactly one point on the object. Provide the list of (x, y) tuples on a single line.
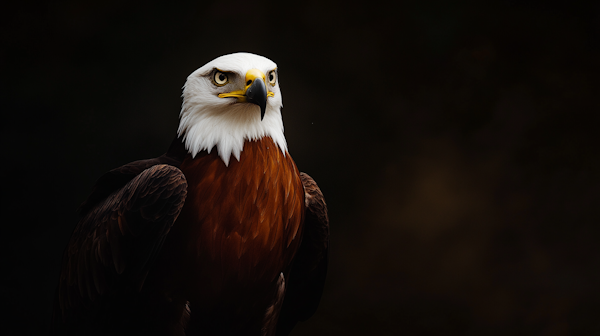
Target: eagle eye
[(272, 77), (220, 78)]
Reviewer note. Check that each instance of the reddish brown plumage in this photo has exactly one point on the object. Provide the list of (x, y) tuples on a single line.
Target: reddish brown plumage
[(247, 252), (239, 229), (244, 220)]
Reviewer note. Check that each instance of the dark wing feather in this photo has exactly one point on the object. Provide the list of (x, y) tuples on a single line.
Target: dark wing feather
[(307, 277), (114, 245), (118, 177)]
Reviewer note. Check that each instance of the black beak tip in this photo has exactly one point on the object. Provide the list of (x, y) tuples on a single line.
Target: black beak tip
[(257, 94)]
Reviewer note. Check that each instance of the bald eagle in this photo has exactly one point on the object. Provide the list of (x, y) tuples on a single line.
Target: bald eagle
[(221, 235)]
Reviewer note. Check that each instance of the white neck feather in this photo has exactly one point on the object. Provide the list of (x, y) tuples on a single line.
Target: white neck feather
[(228, 128)]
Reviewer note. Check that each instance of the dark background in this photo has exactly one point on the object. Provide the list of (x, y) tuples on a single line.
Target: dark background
[(455, 143)]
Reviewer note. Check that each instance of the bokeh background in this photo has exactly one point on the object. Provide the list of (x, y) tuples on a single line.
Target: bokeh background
[(455, 142)]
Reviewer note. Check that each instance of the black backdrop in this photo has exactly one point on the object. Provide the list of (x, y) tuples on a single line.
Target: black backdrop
[(454, 142)]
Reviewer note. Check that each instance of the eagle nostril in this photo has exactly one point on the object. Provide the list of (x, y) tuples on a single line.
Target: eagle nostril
[(249, 82)]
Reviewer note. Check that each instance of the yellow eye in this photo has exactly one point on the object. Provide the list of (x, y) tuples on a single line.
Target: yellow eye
[(272, 77), (220, 78)]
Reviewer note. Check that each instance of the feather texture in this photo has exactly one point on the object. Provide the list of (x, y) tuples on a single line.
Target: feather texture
[(232, 222), (114, 245)]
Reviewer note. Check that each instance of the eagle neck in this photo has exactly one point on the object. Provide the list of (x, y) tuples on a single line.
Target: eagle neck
[(230, 130)]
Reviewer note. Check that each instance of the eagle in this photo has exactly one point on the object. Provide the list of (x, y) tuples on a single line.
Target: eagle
[(221, 235)]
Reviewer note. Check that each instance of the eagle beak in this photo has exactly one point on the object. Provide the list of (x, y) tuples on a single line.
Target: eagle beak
[(254, 92)]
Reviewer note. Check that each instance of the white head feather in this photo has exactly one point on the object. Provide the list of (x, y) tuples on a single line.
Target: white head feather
[(207, 120)]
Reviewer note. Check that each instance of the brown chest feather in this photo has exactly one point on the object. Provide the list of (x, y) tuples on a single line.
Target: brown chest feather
[(243, 221)]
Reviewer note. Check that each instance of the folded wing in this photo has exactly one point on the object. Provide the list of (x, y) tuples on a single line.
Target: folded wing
[(115, 243), (307, 277)]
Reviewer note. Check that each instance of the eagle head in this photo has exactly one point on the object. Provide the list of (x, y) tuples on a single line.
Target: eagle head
[(229, 100)]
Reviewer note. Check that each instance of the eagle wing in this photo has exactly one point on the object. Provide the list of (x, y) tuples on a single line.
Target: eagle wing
[(117, 238), (307, 277)]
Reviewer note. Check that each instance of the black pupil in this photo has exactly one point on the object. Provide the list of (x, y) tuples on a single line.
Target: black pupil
[(271, 76), (222, 77)]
